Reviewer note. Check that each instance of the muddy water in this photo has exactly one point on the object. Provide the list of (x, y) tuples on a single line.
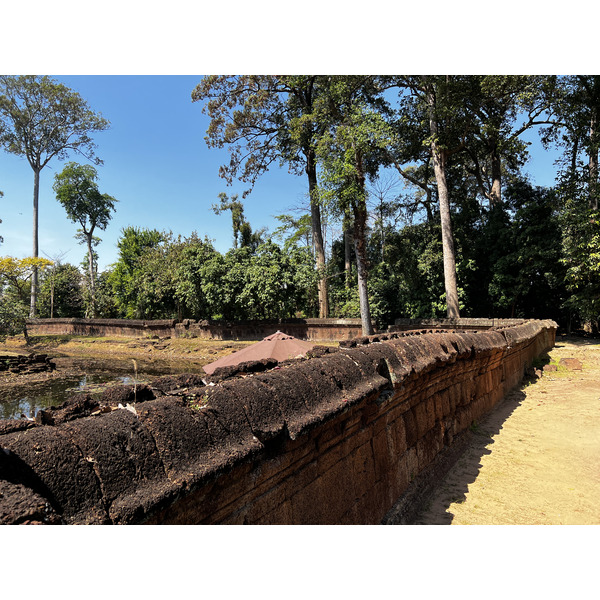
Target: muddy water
[(82, 376)]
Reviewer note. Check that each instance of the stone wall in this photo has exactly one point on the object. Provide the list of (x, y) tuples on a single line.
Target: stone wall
[(333, 439), (101, 327), (464, 324), (306, 329)]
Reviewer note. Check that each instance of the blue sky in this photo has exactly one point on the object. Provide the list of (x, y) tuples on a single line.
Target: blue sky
[(156, 164), (159, 168)]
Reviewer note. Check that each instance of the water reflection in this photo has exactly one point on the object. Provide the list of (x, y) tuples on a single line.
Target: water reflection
[(28, 398)]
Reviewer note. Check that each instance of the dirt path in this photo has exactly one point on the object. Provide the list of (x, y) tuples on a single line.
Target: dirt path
[(536, 458)]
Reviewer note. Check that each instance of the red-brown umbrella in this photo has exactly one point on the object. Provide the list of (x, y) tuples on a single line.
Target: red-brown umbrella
[(279, 346)]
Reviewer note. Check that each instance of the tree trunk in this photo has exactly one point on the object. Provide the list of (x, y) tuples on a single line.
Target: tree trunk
[(91, 267), (593, 163), (360, 246), (452, 309), (496, 192), (34, 276), (317, 234), (347, 243), (439, 167), (382, 229)]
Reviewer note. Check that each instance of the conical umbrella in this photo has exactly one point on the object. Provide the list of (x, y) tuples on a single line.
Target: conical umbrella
[(279, 346)]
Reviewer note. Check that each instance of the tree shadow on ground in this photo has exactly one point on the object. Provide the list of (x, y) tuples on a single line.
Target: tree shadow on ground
[(465, 466), (577, 340)]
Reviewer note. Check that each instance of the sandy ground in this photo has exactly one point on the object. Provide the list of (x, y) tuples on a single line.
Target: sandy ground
[(536, 458)]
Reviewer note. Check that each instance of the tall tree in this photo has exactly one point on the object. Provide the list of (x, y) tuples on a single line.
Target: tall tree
[(436, 106), (352, 151), (576, 130), (264, 120), (76, 189), (43, 119), (503, 107)]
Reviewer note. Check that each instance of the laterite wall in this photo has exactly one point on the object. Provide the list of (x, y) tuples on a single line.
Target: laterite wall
[(306, 329), (335, 439)]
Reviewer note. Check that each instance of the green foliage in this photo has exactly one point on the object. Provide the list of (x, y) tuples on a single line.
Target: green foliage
[(106, 303), (192, 256), (13, 314), (61, 292), (159, 276), (409, 282), (43, 119), (76, 189), (122, 278), (14, 275), (243, 236), (581, 258), (276, 283), (294, 231), (268, 284), (527, 273)]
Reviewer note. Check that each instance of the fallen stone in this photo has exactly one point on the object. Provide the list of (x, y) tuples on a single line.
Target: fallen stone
[(573, 364)]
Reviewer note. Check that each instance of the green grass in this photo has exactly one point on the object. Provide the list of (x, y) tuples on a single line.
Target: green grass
[(200, 403)]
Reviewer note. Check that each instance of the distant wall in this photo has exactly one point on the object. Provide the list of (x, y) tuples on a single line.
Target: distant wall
[(335, 439), (464, 324), (101, 327), (307, 329)]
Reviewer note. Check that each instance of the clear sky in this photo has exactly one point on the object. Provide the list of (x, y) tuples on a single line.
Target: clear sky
[(159, 168), (156, 164)]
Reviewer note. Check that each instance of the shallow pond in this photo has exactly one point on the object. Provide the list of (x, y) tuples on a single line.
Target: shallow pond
[(81, 376)]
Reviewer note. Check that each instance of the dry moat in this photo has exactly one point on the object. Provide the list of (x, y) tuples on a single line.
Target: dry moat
[(89, 365)]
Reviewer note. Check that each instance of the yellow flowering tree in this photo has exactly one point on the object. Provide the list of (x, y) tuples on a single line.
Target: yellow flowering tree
[(15, 273)]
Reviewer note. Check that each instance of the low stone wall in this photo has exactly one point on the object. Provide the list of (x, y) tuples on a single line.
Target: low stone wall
[(464, 324), (334, 439), (305, 329), (101, 327)]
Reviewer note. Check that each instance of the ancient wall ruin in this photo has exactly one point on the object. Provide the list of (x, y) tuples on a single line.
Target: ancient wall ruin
[(307, 329), (331, 439)]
